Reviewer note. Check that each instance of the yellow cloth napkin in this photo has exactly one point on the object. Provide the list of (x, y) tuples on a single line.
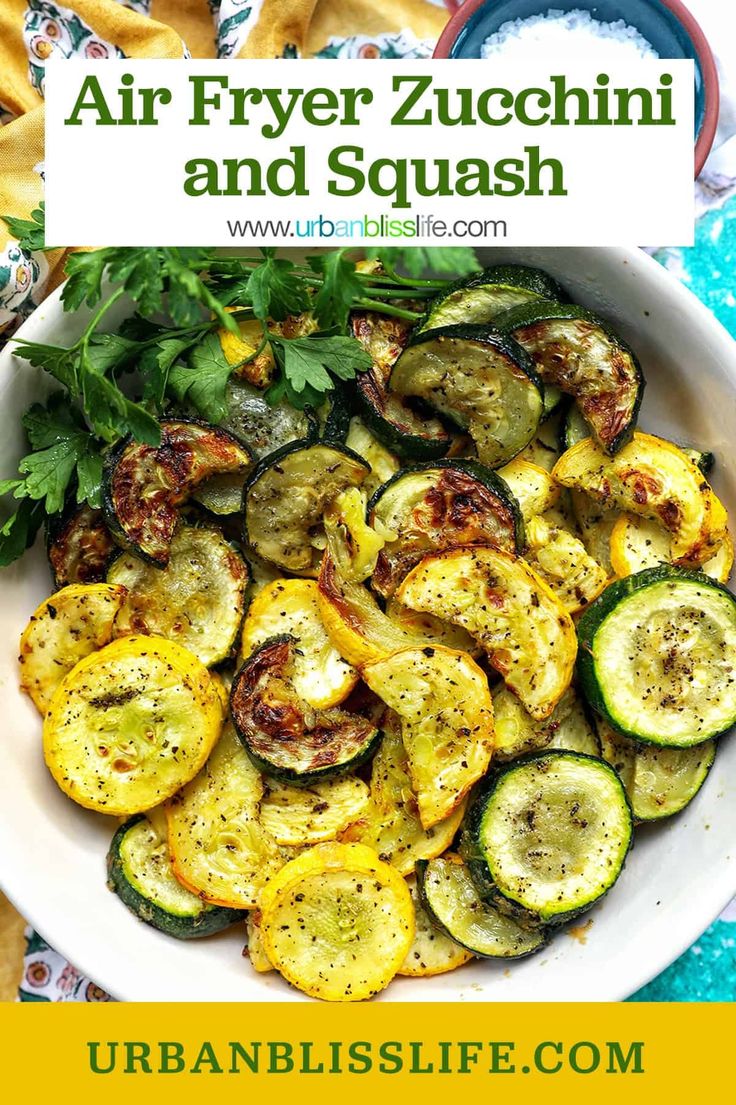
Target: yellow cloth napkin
[(32, 30)]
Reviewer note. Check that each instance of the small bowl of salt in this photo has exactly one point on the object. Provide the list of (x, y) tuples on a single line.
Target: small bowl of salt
[(527, 29)]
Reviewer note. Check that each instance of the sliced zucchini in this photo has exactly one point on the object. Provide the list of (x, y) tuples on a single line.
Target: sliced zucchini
[(383, 464), (526, 631), (639, 543), (533, 487), (551, 834), (65, 628), (432, 952), (652, 478), (130, 725), (443, 701), (337, 922), (658, 657), (454, 906), (706, 462), (144, 485), (286, 494), (264, 427), (517, 733), (660, 782), (218, 846), (440, 505), (391, 826), (482, 382), (577, 352), (310, 815), (573, 428), (139, 871), (259, 961), (544, 449), (284, 736), (334, 415), (487, 294), (289, 607), (221, 495), (402, 429), (553, 401), (197, 600), (563, 562), (79, 546)]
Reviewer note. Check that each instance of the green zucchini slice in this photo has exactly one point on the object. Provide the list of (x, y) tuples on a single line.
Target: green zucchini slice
[(144, 485), (285, 737), (482, 381), (286, 494), (484, 295), (334, 415), (197, 600), (440, 505), (454, 905), (706, 462), (551, 834), (578, 352), (140, 873), (79, 546), (657, 657), (573, 428), (517, 733), (660, 782), (396, 424)]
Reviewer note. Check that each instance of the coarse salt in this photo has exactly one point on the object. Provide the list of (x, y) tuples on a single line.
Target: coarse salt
[(566, 36)]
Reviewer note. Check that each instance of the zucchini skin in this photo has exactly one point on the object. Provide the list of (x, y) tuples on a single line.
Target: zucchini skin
[(80, 565), (486, 335), (477, 471), (546, 310), (605, 604), (544, 931), (337, 422), (212, 919), (473, 856), (535, 281)]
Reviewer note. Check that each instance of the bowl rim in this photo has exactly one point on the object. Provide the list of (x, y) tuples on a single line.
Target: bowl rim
[(711, 83), (65, 936)]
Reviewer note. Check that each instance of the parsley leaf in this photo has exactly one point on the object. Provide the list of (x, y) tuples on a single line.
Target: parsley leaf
[(417, 260), (274, 290), (340, 289), (203, 381), (19, 531), (308, 362), (29, 233)]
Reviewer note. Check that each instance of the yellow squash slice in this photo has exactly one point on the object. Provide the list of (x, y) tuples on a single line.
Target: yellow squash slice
[(443, 701), (431, 952), (289, 606), (311, 815), (431, 630), (259, 961), (655, 479), (531, 485), (131, 724), (383, 463), (564, 563), (638, 543), (391, 826), (526, 631), (595, 524), (517, 733), (337, 922), (218, 845), (63, 630)]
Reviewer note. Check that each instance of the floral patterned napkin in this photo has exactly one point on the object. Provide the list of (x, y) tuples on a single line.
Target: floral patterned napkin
[(31, 30)]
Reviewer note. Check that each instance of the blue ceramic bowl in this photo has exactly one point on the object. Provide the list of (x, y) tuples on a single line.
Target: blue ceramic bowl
[(667, 24)]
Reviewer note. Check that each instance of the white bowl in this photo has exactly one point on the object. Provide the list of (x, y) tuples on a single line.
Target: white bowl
[(679, 875)]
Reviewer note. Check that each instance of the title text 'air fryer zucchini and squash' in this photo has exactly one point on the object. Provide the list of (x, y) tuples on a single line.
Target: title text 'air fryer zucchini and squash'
[(397, 679)]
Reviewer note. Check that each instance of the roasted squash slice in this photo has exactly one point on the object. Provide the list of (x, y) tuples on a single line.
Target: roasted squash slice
[(259, 961), (383, 463), (440, 505), (443, 701), (526, 631), (638, 543), (532, 486), (432, 952), (64, 629), (564, 563), (655, 479), (311, 815), (284, 736), (517, 733), (391, 825), (79, 546), (144, 485), (218, 846), (197, 600), (131, 724), (290, 607), (337, 922)]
